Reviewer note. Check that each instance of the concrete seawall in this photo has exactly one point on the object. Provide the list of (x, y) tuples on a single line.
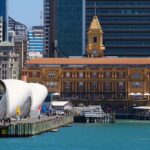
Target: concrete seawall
[(30, 127)]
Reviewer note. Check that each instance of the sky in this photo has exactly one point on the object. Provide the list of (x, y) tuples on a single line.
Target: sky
[(26, 11)]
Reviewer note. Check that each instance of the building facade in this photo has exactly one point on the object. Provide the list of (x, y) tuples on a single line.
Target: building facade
[(125, 24), (63, 28), (17, 34), (9, 61), (112, 82), (4, 15), (49, 27), (17, 27), (118, 84), (35, 41), (20, 47)]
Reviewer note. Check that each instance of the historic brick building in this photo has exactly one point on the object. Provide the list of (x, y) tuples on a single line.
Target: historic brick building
[(115, 83)]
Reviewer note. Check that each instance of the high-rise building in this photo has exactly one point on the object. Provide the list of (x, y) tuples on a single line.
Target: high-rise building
[(35, 41), (125, 25), (63, 28), (3, 14), (49, 28), (19, 28)]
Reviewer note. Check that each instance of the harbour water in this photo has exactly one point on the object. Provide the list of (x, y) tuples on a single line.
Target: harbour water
[(122, 135)]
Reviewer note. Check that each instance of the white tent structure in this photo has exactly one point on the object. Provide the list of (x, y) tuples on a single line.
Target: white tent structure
[(146, 94), (139, 94), (16, 94), (135, 94), (38, 94), (142, 107), (132, 94)]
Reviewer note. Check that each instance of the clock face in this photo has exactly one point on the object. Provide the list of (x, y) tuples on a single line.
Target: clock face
[(95, 51)]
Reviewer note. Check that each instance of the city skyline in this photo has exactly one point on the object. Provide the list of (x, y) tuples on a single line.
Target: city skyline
[(31, 16)]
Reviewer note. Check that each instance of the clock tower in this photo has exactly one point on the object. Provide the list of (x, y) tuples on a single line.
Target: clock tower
[(95, 47)]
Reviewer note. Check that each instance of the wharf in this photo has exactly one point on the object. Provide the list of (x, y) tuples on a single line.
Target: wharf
[(108, 118), (31, 127), (93, 114)]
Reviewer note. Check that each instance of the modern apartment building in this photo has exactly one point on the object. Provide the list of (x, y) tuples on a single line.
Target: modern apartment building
[(125, 25), (35, 41), (19, 28), (3, 14)]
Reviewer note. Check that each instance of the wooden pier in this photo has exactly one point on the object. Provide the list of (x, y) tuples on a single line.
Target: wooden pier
[(31, 127)]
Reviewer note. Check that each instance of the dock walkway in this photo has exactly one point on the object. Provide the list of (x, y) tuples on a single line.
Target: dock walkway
[(30, 127)]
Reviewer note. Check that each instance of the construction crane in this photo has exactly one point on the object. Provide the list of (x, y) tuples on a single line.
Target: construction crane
[(41, 18)]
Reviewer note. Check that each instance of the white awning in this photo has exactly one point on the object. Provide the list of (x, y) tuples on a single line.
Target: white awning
[(59, 103), (56, 94), (135, 94), (139, 94), (146, 94), (132, 93), (142, 107)]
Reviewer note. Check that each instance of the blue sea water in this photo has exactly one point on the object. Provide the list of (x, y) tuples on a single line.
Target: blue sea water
[(122, 135)]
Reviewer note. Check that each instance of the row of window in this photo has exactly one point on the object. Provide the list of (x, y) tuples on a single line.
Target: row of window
[(115, 19), (106, 75), (119, 11), (92, 74), (94, 85), (106, 86), (117, 3), (102, 96)]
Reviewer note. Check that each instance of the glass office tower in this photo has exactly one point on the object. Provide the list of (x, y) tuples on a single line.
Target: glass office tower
[(63, 28), (3, 14), (69, 27), (126, 25)]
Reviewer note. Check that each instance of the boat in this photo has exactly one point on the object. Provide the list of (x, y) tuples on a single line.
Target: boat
[(54, 130)]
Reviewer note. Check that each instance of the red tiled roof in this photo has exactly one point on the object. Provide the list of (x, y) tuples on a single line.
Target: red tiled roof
[(84, 61)]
